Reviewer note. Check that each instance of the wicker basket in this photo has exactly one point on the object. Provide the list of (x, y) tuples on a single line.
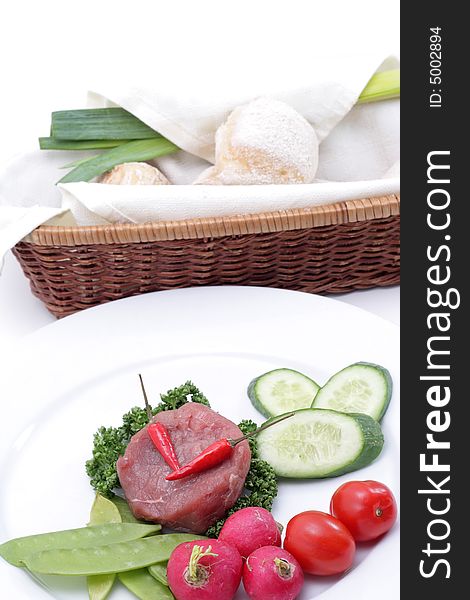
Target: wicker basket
[(332, 248)]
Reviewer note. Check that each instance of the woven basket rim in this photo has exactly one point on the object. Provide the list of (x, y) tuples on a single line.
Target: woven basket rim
[(348, 211)]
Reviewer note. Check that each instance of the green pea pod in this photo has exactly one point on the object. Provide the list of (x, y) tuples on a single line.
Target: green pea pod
[(124, 510), (144, 586), (158, 571), (113, 558), (18, 551), (102, 511), (100, 586)]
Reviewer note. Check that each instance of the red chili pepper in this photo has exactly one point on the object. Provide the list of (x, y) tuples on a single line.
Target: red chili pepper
[(159, 435), (210, 457), (162, 442), (217, 452)]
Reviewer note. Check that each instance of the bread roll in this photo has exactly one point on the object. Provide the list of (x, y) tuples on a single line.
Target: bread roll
[(263, 142), (134, 173)]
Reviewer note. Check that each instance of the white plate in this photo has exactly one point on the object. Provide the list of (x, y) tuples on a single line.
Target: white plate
[(81, 372)]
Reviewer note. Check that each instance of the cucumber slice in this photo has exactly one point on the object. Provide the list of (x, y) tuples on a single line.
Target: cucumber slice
[(318, 443), (360, 388), (280, 391)]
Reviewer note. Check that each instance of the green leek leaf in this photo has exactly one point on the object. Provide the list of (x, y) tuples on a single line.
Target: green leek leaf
[(99, 124), (50, 143), (382, 86), (137, 151)]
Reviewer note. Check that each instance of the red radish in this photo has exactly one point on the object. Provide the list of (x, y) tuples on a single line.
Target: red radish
[(204, 570), (272, 573), (250, 528)]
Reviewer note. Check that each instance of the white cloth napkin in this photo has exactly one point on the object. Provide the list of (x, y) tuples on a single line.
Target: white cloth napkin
[(358, 157), (323, 90), (154, 203)]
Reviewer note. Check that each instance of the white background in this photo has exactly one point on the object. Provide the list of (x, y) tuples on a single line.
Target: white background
[(53, 51)]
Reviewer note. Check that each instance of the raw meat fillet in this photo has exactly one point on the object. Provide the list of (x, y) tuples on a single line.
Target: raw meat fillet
[(197, 501)]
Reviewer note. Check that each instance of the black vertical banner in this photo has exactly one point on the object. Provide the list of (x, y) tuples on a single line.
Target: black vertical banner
[(435, 321)]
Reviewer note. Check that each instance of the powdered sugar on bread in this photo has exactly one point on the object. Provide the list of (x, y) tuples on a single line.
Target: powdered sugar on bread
[(263, 142)]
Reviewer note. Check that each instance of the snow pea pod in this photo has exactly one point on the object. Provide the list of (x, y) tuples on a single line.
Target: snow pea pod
[(113, 558), (102, 511), (144, 586), (158, 571), (124, 510), (100, 586), (18, 551)]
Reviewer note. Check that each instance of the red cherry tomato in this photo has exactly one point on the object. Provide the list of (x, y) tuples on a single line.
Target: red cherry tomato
[(367, 508), (321, 543)]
